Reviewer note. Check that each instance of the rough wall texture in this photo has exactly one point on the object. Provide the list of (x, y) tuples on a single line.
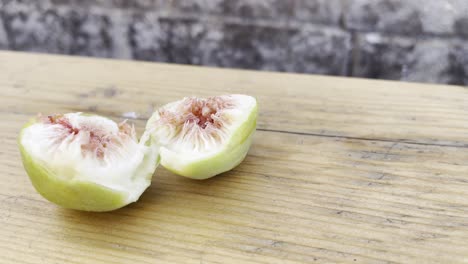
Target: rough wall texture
[(414, 40)]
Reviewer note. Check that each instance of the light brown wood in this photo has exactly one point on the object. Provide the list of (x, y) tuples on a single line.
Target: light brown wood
[(341, 170)]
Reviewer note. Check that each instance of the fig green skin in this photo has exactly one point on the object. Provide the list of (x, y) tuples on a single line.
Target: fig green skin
[(228, 158), (72, 194), (77, 195)]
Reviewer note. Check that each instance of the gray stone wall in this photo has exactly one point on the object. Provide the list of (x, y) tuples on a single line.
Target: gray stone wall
[(413, 40)]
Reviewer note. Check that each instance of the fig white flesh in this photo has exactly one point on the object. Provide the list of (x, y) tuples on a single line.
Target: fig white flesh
[(87, 162), (200, 138)]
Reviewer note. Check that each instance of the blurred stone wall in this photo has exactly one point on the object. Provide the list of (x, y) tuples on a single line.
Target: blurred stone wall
[(413, 40)]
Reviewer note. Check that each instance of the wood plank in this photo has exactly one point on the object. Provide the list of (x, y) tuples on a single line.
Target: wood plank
[(295, 199), (396, 111)]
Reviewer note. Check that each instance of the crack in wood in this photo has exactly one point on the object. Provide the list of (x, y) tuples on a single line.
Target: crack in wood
[(404, 141)]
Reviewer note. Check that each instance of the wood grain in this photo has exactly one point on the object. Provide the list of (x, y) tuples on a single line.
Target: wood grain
[(341, 170), (290, 102)]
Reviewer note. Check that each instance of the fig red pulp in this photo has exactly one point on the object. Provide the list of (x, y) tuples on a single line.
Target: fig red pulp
[(98, 138), (203, 112)]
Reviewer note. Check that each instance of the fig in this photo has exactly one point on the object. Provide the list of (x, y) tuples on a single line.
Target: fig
[(87, 162), (200, 138)]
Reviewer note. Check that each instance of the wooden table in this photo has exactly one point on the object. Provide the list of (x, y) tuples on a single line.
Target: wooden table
[(341, 170)]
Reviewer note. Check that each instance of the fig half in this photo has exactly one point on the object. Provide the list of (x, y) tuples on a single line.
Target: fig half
[(87, 162), (200, 138)]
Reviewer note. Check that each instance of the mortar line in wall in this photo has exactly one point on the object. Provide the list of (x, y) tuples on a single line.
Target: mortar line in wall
[(286, 23), (289, 23), (421, 36), (354, 53)]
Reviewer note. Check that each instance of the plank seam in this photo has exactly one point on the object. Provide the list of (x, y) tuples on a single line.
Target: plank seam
[(404, 141)]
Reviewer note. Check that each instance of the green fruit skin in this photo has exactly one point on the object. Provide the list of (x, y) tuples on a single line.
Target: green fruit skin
[(77, 195), (72, 194), (231, 156)]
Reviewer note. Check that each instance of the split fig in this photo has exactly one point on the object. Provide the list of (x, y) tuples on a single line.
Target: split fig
[(203, 137), (87, 162)]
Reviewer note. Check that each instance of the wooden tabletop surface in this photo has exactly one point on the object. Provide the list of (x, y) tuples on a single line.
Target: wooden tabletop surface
[(341, 170)]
